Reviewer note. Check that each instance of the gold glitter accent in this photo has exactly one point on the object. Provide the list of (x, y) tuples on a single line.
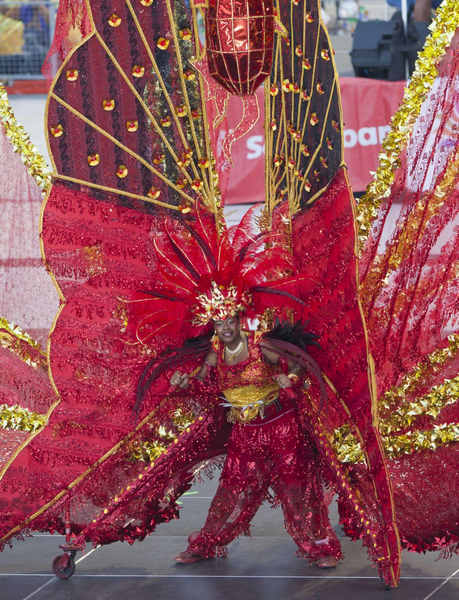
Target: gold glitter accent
[(346, 445), (248, 401), (95, 260), (397, 414), (32, 159), (425, 73), (414, 441), (17, 418)]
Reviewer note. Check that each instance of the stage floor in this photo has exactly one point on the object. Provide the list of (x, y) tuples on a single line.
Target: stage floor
[(260, 567)]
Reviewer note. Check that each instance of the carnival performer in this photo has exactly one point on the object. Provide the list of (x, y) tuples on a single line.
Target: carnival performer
[(267, 448), (133, 234)]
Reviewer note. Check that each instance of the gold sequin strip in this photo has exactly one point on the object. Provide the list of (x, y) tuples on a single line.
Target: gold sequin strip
[(28, 350), (349, 450), (429, 405), (20, 419), (32, 159), (442, 31), (428, 367), (414, 441)]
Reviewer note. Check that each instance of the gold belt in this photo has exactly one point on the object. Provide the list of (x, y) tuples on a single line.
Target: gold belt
[(248, 402)]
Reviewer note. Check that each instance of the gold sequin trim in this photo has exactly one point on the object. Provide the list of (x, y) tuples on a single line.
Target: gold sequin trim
[(349, 450), (429, 405), (149, 452), (19, 342), (33, 160), (425, 369), (20, 419)]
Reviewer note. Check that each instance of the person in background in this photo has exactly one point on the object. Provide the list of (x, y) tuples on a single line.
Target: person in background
[(420, 10)]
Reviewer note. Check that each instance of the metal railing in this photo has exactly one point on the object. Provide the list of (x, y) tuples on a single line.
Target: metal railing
[(26, 32)]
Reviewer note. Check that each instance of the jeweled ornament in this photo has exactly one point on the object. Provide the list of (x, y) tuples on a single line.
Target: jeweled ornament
[(154, 193), (132, 125), (93, 160), (122, 171), (240, 39), (57, 131), (108, 104), (114, 20), (138, 71), (72, 75)]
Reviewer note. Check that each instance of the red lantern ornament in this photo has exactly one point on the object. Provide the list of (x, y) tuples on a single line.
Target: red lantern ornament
[(240, 41)]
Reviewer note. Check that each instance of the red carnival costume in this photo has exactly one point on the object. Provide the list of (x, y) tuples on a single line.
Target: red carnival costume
[(267, 448), (133, 235)]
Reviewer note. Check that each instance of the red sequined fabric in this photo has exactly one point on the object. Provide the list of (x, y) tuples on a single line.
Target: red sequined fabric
[(278, 456), (252, 371), (239, 36)]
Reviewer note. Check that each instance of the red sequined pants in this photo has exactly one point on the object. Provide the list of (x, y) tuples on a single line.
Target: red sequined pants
[(276, 455)]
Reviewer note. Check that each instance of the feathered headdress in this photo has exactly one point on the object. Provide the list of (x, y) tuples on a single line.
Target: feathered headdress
[(201, 276)]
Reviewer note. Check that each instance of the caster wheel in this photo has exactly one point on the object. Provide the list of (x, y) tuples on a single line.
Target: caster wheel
[(64, 566)]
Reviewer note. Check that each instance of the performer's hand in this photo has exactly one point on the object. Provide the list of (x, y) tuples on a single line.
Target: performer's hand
[(179, 380), (283, 381)]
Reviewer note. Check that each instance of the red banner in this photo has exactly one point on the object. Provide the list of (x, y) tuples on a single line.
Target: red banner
[(368, 105)]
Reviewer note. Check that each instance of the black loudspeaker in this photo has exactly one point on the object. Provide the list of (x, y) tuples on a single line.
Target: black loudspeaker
[(380, 49)]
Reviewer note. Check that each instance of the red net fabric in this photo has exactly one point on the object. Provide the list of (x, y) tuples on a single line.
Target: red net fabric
[(95, 412), (28, 300), (27, 295), (409, 284), (410, 295), (323, 242), (24, 383)]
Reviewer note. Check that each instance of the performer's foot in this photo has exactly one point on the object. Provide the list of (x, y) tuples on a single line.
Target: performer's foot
[(187, 558), (326, 562)]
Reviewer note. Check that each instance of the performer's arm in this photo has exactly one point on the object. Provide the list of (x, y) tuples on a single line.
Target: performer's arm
[(182, 380), (284, 380)]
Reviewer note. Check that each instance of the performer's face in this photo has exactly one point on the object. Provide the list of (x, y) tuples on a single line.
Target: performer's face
[(228, 330)]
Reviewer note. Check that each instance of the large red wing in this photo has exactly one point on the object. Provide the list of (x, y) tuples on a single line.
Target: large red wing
[(127, 113), (303, 112)]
